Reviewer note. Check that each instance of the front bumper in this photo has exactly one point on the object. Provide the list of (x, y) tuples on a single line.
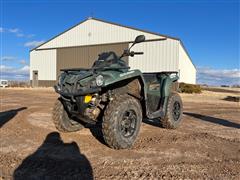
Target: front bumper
[(80, 92), (74, 103)]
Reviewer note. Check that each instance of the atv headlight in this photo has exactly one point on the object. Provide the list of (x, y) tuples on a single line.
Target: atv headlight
[(99, 80)]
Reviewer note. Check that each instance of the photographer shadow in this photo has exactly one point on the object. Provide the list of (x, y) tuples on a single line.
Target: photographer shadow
[(55, 159)]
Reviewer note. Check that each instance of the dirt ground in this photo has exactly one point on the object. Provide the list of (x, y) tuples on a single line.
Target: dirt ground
[(205, 146)]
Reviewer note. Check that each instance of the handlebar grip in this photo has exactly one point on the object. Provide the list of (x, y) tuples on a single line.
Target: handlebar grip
[(138, 53)]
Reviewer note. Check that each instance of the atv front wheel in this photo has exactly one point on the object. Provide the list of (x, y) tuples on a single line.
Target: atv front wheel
[(61, 119), (174, 112), (121, 122)]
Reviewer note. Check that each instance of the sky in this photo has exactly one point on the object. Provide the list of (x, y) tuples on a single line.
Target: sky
[(208, 29)]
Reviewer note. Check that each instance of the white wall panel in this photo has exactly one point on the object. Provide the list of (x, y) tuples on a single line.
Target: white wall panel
[(44, 62), (95, 32), (158, 56), (187, 70)]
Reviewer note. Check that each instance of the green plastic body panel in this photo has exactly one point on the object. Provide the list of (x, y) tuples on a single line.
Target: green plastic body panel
[(113, 76), (167, 84)]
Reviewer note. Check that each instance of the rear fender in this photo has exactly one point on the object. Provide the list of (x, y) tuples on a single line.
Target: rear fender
[(167, 85)]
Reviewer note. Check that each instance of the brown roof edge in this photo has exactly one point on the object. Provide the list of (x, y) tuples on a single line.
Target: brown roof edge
[(89, 18), (181, 43), (123, 42)]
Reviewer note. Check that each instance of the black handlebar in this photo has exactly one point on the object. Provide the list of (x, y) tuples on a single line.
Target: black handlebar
[(138, 53), (132, 53)]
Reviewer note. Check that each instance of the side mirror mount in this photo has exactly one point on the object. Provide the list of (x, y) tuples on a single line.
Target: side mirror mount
[(139, 39)]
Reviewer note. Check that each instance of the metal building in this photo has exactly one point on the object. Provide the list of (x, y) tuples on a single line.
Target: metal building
[(80, 45)]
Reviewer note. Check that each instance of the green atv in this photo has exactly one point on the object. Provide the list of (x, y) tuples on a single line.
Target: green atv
[(116, 97)]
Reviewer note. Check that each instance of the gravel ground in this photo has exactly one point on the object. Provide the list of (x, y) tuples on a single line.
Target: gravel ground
[(205, 146)]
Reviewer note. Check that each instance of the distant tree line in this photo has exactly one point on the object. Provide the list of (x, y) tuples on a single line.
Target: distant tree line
[(13, 83)]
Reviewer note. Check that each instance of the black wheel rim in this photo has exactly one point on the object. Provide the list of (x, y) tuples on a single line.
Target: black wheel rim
[(176, 110), (128, 123)]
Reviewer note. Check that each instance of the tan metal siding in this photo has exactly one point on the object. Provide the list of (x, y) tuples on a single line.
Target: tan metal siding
[(84, 57), (72, 58), (93, 32), (158, 56)]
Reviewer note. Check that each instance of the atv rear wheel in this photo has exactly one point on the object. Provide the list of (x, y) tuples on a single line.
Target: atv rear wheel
[(62, 121), (121, 122), (174, 112)]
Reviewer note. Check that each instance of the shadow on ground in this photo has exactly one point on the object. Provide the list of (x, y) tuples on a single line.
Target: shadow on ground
[(214, 120), (8, 115), (55, 159), (232, 98)]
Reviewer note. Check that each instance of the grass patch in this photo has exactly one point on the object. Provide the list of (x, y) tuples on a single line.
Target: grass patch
[(189, 88)]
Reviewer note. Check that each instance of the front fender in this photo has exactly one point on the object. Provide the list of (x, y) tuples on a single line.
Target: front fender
[(113, 77)]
